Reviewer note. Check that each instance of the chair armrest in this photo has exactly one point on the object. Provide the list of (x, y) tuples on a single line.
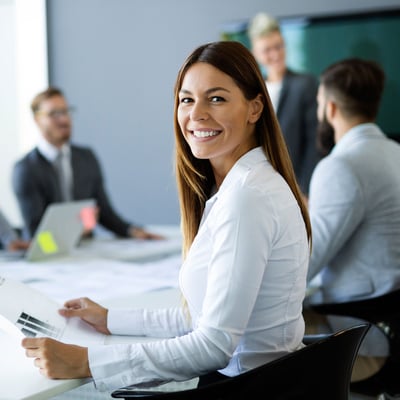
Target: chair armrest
[(312, 338), (128, 393)]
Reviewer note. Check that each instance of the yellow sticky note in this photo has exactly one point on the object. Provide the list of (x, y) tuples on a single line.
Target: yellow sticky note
[(47, 242)]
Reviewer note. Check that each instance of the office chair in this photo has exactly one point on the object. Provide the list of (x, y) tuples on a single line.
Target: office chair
[(321, 370), (383, 312)]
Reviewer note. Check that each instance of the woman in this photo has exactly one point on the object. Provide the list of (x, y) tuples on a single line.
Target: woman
[(246, 249)]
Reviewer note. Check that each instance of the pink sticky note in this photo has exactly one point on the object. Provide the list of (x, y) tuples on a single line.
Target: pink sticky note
[(88, 217)]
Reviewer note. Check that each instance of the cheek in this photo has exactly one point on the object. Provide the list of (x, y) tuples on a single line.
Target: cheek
[(182, 122), (181, 116)]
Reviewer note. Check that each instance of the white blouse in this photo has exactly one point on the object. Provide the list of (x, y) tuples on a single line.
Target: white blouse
[(244, 280)]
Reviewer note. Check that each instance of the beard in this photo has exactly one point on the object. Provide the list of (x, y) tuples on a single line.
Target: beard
[(325, 137)]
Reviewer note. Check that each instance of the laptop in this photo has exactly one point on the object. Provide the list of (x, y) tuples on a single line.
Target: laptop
[(60, 229)]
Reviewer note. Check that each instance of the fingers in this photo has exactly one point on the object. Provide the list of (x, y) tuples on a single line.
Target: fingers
[(31, 343), (74, 303), (73, 308), (34, 346)]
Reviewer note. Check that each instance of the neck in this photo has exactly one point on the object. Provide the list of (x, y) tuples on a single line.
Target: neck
[(275, 75), (343, 126)]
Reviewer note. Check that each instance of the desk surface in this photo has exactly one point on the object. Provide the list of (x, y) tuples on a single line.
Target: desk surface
[(102, 268), (21, 380), (145, 281)]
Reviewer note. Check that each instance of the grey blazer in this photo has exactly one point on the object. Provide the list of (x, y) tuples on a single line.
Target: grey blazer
[(297, 115), (35, 185)]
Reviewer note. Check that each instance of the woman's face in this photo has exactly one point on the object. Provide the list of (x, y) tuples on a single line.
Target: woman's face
[(217, 121)]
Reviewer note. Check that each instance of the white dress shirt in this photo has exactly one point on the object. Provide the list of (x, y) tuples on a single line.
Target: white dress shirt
[(244, 280), (274, 91)]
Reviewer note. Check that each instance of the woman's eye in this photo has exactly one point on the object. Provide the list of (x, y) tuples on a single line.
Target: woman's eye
[(185, 100), (217, 99)]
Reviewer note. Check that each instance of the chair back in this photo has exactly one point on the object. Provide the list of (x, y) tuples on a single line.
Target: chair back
[(321, 370), (384, 312)]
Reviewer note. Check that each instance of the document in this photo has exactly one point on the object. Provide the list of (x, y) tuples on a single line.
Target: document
[(24, 311)]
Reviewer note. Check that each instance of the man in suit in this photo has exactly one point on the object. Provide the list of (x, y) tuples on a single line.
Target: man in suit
[(9, 238), (293, 96), (38, 180), (354, 201)]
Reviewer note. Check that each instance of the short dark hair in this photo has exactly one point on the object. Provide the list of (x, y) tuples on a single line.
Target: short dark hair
[(46, 94), (356, 85)]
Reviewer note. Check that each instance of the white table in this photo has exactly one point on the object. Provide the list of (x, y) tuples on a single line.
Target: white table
[(21, 380), (152, 281)]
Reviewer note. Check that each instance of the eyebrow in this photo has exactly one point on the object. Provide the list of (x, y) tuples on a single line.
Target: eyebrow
[(208, 91)]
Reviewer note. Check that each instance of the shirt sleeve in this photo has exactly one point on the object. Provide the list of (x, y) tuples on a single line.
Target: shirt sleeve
[(164, 323)]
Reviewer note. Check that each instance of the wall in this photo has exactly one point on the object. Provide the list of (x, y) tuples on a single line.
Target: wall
[(117, 61), (23, 71)]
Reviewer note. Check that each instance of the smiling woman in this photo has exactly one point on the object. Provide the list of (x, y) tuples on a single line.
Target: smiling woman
[(246, 244)]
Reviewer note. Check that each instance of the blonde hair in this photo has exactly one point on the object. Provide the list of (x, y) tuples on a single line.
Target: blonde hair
[(262, 25)]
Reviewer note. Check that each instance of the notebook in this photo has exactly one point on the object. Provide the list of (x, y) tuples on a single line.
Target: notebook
[(60, 229)]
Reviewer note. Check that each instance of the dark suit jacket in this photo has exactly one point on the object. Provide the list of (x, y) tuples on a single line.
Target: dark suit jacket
[(297, 115), (35, 185)]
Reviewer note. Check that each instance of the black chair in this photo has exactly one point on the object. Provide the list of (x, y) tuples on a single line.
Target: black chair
[(320, 370), (383, 312)]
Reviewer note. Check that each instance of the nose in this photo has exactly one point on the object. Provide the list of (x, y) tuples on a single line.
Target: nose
[(198, 112)]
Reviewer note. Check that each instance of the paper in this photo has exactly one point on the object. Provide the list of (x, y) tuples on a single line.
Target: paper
[(47, 242), (27, 311)]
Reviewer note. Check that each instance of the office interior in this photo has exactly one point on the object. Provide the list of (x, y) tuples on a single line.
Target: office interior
[(117, 61)]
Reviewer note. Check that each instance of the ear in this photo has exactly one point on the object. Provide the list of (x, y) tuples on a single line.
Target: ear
[(256, 108), (331, 110)]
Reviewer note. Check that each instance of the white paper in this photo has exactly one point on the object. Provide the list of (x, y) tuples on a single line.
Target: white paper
[(26, 311)]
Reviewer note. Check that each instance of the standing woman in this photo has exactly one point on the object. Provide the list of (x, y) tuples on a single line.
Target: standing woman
[(246, 243)]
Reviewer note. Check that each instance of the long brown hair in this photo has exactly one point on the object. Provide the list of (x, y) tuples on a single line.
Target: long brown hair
[(194, 176)]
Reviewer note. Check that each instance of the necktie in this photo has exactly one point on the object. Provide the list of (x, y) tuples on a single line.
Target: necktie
[(64, 175)]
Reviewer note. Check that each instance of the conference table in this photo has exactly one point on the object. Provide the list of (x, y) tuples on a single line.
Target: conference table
[(110, 271)]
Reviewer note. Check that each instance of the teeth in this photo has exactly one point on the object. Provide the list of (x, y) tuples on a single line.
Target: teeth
[(205, 133)]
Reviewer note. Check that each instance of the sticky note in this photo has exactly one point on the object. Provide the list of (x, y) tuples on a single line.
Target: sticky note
[(88, 218), (47, 243)]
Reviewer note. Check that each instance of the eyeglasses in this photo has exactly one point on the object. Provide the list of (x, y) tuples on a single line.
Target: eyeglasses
[(56, 114), (274, 48)]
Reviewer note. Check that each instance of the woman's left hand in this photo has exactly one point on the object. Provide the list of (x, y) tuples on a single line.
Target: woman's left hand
[(57, 360)]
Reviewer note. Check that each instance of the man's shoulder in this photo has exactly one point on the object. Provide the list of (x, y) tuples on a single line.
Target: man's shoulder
[(301, 79), (29, 159), (84, 157), (82, 150)]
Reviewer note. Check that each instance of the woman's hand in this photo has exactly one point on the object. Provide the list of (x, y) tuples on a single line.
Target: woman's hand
[(89, 311), (57, 360)]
